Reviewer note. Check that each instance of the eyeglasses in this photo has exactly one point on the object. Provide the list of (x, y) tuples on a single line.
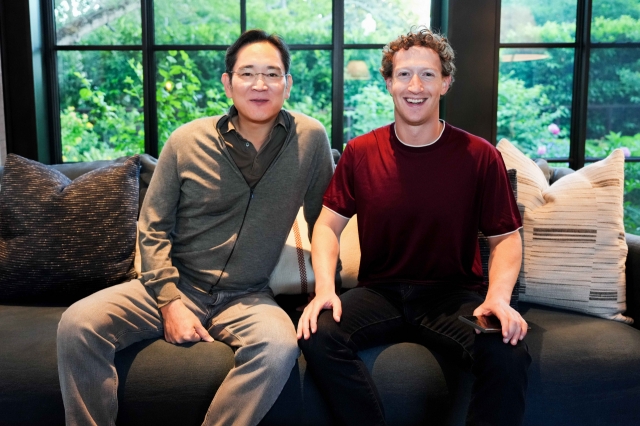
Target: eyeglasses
[(406, 76), (252, 77)]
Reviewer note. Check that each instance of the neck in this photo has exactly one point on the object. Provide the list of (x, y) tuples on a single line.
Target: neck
[(421, 135), (256, 133)]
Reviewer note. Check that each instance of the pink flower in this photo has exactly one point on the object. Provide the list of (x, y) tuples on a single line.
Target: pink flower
[(626, 151), (553, 128), (542, 150)]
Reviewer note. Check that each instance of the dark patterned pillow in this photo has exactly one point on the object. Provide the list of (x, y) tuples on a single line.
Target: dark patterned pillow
[(484, 249), (61, 240)]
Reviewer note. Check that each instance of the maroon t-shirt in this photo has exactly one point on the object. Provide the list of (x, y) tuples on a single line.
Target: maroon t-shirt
[(420, 208)]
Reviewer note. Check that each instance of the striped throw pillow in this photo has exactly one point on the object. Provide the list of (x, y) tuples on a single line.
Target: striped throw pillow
[(574, 244), (294, 275)]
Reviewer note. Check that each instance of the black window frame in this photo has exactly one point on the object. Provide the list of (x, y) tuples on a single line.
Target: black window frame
[(26, 45), (149, 49), (583, 45)]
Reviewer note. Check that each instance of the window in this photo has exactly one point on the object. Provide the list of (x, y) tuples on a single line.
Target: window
[(569, 84), (125, 73)]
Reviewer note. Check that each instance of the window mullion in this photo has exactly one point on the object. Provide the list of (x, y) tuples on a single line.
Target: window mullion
[(243, 16), (580, 99), (49, 41), (149, 80), (337, 76)]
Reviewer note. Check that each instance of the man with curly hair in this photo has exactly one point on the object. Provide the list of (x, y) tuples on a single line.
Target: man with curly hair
[(421, 190)]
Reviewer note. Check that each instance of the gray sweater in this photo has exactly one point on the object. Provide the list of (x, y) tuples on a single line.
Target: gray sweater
[(202, 225)]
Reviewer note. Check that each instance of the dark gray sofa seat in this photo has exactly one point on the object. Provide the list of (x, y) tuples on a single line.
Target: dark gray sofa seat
[(585, 371)]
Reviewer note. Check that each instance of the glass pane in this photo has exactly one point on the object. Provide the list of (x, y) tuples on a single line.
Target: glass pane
[(615, 21), (311, 90), (196, 21), (632, 198), (101, 114), (613, 114), (534, 100), (367, 104), (188, 87), (297, 21), (383, 21), (97, 22), (526, 21)]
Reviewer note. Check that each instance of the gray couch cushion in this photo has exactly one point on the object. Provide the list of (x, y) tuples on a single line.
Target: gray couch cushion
[(585, 370), (29, 390)]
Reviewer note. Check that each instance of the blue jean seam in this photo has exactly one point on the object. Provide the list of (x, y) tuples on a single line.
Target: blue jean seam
[(450, 338), (372, 324)]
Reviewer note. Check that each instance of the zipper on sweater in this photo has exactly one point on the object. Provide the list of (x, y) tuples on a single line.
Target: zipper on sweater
[(234, 243)]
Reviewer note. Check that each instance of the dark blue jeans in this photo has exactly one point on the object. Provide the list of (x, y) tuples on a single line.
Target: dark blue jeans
[(382, 314)]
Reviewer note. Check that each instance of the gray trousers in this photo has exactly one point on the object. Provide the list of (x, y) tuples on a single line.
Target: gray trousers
[(93, 329)]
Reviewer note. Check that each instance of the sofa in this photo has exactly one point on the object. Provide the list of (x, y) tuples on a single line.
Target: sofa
[(585, 369)]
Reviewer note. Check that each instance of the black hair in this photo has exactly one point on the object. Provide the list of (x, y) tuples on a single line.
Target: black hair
[(257, 36)]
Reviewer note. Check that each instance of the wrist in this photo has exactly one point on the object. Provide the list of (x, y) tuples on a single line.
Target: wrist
[(170, 305)]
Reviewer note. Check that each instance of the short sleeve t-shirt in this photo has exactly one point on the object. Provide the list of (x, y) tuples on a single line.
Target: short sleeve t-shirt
[(420, 208)]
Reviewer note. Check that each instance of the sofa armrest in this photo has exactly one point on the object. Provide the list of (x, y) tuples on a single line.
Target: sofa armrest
[(633, 278)]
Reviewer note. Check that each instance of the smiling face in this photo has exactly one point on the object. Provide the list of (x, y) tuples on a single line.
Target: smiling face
[(416, 85), (257, 102)]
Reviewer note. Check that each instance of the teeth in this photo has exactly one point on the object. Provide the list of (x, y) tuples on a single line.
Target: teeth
[(415, 101)]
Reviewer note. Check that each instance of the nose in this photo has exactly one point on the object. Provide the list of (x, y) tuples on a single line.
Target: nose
[(259, 83), (415, 84)]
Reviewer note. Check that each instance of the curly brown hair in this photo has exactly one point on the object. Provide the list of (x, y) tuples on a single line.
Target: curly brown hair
[(424, 37)]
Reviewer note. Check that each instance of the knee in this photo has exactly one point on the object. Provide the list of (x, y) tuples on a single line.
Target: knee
[(77, 322), (327, 337), (276, 350)]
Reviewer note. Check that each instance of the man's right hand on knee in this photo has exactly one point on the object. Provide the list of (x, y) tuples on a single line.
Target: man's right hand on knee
[(181, 325)]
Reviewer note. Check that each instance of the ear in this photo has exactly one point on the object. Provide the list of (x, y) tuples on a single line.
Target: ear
[(226, 82), (388, 82), (446, 83), (287, 89)]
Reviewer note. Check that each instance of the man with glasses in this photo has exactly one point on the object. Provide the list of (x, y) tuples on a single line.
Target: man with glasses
[(421, 190), (221, 203)]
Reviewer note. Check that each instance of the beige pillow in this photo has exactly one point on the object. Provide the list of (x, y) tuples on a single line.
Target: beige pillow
[(574, 244), (294, 275), (350, 253)]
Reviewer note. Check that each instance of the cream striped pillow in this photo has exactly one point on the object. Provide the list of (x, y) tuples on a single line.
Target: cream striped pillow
[(574, 244), (294, 275)]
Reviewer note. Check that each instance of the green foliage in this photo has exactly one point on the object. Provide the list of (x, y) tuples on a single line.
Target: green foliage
[(306, 21), (632, 198), (196, 21), (370, 108), (600, 148), (180, 95), (524, 116), (105, 131)]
